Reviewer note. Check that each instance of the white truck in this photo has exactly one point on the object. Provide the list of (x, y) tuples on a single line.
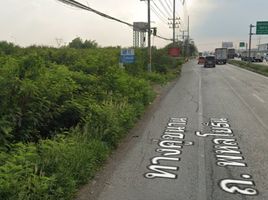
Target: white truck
[(221, 55)]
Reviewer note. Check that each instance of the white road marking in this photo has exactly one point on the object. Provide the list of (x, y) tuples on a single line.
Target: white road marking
[(202, 185), (259, 98)]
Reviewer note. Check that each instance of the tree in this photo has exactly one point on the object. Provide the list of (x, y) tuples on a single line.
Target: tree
[(78, 43), (90, 44)]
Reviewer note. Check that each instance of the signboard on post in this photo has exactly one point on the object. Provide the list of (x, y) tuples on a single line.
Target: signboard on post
[(140, 26), (227, 45), (127, 56), (174, 52), (262, 28), (242, 44)]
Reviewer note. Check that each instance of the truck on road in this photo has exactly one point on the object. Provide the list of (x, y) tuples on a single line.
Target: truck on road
[(221, 55), (231, 53)]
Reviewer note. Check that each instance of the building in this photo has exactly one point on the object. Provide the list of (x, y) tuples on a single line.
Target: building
[(263, 47)]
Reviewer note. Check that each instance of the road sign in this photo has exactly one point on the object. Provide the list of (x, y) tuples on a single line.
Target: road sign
[(242, 44), (262, 28), (127, 56)]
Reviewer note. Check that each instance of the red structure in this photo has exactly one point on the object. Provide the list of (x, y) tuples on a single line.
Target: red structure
[(174, 52)]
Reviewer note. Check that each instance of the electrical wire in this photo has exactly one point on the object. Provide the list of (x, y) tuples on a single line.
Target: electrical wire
[(84, 7), (159, 16), (162, 13), (162, 19), (163, 38), (166, 10), (168, 5)]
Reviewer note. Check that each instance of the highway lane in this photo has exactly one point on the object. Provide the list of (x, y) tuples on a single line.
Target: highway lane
[(206, 139)]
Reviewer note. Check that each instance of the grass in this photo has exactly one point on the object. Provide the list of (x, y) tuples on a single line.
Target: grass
[(258, 68)]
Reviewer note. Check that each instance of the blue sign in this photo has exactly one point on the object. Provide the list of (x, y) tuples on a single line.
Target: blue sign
[(127, 56), (128, 59)]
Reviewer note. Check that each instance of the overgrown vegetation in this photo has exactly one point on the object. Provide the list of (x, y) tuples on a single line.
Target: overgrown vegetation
[(258, 68), (63, 110)]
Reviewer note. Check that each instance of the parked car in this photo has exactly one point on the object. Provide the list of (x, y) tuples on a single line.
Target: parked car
[(201, 60), (210, 61)]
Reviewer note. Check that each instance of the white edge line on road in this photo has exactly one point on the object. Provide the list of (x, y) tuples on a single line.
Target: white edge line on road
[(259, 98), (202, 185)]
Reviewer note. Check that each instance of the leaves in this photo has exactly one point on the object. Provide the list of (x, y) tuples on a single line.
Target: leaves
[(62, 111)]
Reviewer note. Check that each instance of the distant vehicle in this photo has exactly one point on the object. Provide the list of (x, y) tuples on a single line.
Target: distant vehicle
[(201, 60), (254, 56), (221, 55), (266, 58), (231, 53), (210, 61), (257, 57)]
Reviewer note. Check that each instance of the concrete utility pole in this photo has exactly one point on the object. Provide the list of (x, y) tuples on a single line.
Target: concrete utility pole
[(149, 38), (174, 25), (249, 45), (188, 36)]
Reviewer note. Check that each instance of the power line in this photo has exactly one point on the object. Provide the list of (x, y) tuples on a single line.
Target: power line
[(163, 14), (164, 38), (168, 13), (168, 5), (162, 19), (159, 16), (84, 7)]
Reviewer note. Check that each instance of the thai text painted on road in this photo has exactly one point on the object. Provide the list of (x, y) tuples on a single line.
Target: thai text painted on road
[(228, 154), (170, 147)]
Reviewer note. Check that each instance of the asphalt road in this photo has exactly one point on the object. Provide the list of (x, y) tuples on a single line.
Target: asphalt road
[(205, 139)]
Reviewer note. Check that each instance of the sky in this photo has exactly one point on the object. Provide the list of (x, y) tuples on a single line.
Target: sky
[(52, 23)]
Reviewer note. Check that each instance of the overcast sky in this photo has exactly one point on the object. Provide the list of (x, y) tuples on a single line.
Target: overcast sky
[(41, 22)]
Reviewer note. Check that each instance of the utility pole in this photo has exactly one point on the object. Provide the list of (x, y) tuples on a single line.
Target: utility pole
[(188, 36), (174, 25), (249, 48), (149, 38)]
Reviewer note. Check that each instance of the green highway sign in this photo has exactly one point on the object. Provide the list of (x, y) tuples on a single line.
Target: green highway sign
[(262, 28), (242, 44)]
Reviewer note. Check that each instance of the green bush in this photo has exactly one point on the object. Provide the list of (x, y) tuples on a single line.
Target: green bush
[(51, 169), (63, 110)]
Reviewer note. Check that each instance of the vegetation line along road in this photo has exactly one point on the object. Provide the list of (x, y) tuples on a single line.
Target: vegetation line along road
[(258, 68), (62, 111)]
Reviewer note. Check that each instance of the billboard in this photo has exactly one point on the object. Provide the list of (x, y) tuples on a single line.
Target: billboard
[(140, 26), (174, 52), (227, 45)]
